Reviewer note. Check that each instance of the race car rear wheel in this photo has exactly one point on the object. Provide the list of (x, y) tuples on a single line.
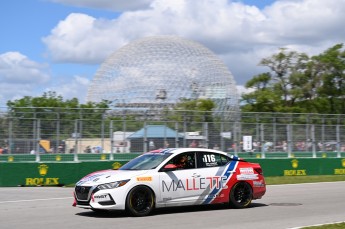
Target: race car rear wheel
[(241, 195), (140, 201)]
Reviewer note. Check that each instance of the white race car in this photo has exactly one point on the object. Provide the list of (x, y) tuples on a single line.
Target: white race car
[(172, 177)]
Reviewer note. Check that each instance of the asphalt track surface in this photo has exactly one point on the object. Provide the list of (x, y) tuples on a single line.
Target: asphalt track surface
[(283, 206)]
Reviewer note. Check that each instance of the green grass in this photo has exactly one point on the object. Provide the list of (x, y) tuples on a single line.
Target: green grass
[(328, 226), (303, 179)]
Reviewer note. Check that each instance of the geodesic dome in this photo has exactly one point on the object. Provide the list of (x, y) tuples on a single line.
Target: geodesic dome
[(158, 71)]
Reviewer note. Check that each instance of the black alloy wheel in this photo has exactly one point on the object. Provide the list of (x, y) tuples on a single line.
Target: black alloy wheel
[(140, 201), (241, 195)]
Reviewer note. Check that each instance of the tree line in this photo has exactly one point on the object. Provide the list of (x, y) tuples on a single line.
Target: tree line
[(298, 83)]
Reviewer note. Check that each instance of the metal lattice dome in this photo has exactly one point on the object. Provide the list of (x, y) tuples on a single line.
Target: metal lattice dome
[(158, 71)]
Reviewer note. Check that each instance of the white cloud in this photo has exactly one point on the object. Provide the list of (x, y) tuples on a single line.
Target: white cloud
[(308, 22), (82, 39), (76, 87), (230, 29), (242, 90), (20, 76), (10, 91), (16, 68)]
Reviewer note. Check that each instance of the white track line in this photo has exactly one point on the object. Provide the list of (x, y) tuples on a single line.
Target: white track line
[(18, 201)]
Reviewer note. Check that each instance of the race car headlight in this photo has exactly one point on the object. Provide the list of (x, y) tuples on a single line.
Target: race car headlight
[(111, 185)]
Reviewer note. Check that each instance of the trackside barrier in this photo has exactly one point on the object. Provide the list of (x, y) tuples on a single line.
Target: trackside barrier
[(66, 157), (51, 173), (66, 173), (301, 166)]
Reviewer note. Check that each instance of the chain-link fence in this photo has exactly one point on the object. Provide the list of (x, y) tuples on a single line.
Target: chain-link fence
[(79, 134)]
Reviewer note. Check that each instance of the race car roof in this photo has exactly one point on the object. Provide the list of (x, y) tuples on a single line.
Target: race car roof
[(184, 150)]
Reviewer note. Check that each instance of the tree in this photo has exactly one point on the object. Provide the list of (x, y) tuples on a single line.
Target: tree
[(333, 78), (52, 111), (194, 110), (297, 83)]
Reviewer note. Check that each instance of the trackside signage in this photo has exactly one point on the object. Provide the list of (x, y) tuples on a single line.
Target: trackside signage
[(42, 180), (301, 166), (340, 171), (68, 173), (295, 171), (50, 173)]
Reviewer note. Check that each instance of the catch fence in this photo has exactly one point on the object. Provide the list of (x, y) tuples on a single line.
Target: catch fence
[(90, 134)]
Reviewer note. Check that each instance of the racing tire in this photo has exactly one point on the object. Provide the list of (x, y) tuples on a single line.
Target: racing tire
[(140, 201), (241, 195)]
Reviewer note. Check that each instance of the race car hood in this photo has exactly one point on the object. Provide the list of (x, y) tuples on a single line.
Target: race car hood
[(107, 176)]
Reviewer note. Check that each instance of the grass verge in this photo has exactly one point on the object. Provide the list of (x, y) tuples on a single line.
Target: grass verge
[(303, 179), (328, 226)]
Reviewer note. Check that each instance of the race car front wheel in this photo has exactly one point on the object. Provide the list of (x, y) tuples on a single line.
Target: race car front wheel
[(241, 195), (140, 201)]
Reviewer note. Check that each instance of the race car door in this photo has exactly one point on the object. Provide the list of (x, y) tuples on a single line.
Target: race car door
[(191, 185)]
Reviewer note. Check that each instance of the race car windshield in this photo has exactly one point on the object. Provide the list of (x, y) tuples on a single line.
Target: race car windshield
[(145, 161)]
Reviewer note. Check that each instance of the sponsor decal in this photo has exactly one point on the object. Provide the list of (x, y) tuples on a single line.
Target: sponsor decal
[(259, 184), (116, 165), (43, 171), (216, 182), (58, 157), (211, 164), (100, 197), (144, 178), (340, 171), (295, 171), (42, 181), (89, 178), (294, 163), (247, 177), (246, 170), (212, 196)]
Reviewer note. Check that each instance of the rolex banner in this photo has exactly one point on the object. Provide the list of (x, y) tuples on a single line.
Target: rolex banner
[(67, 173)]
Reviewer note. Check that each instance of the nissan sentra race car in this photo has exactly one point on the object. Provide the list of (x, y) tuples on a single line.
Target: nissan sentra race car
[(172, 177)]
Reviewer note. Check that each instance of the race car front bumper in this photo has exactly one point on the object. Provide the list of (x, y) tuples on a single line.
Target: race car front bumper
[(92, 198)]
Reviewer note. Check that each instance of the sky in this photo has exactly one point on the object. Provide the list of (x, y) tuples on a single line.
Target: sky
[(58, 45)]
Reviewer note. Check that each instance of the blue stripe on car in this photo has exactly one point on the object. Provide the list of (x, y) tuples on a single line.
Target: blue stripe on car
[(228, 173)]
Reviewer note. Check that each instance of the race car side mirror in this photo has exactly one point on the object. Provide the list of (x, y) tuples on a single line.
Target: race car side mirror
[(169, 167)]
